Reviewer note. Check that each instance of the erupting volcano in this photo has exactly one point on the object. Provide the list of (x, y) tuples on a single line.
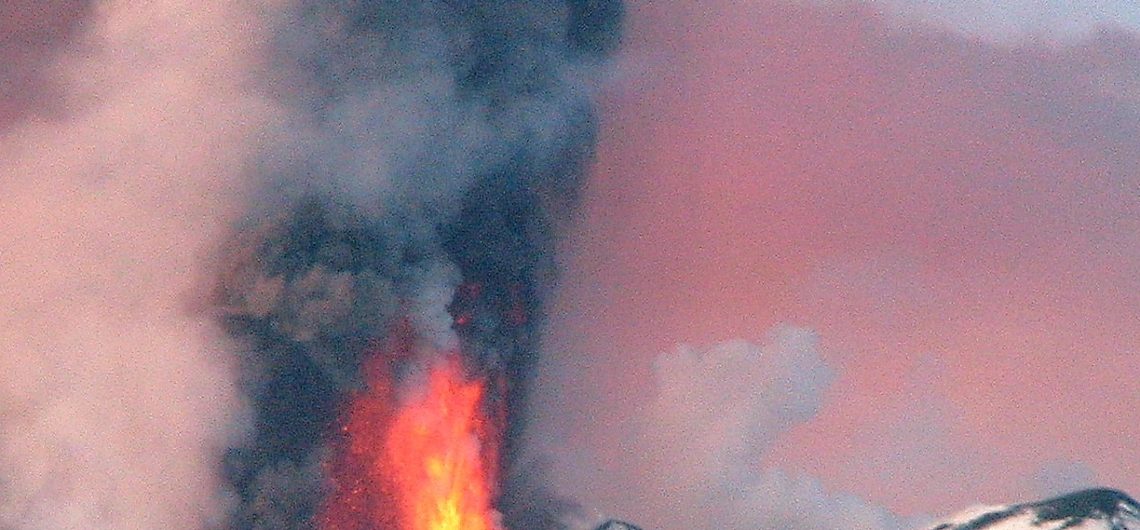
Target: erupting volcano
[(388, 291)]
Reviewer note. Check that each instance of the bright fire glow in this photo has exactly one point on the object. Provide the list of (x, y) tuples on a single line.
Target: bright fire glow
[(437, 446), (426, 463)]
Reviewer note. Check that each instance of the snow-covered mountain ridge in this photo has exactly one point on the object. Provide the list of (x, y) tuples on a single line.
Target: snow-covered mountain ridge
[(1093, 509)]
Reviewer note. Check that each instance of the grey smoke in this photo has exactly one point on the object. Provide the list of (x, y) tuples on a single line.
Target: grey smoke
[(400, 107), (422, 147)]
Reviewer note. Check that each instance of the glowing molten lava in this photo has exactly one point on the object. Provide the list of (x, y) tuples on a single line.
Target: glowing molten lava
[(427, 463), (437, 449)]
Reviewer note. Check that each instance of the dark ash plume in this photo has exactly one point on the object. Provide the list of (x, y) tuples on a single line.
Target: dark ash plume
[(429, 153)]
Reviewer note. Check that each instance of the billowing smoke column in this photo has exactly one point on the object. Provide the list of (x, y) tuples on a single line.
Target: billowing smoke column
[(411, 199)]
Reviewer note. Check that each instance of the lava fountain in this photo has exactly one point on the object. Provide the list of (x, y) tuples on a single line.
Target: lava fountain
[(441, 451), (424, 461)]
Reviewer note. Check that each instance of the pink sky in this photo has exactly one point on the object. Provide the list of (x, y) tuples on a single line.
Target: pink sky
[(957, 220)]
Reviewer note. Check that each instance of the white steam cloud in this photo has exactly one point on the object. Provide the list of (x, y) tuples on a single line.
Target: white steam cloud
[(116, 399), (693, 456)]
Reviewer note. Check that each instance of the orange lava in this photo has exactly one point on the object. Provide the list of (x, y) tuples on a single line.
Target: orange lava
[(427, 463), (437, 446)]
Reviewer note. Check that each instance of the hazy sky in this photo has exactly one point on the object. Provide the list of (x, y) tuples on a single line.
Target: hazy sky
[(952, 206), (1012, 20)]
